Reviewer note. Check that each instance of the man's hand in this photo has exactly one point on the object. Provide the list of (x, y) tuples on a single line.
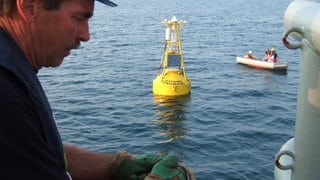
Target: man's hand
[(138, 166), (167, 168), (147, 167)]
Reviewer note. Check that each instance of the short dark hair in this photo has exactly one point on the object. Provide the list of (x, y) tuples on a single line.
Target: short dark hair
[(8, 7)]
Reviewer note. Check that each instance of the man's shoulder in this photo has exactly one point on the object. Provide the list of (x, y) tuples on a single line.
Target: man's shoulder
[(12, 89)]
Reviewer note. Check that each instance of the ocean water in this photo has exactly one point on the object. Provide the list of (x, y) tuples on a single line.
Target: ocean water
[(235, 119)]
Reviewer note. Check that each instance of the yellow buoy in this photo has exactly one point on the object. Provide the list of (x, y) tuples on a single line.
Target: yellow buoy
[(171, 79)]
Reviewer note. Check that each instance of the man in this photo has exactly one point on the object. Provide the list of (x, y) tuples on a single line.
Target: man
[(267, 55), (249, 55), (274, 56), (36, 34)]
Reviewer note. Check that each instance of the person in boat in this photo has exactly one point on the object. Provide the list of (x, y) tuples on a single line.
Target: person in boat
[(267, 55), (41, 33), (274, 56), (249, 55)]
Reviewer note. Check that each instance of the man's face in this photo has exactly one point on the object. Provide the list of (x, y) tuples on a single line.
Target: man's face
[(59, 31)]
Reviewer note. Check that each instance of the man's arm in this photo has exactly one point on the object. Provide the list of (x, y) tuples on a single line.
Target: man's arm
[(83, 164)]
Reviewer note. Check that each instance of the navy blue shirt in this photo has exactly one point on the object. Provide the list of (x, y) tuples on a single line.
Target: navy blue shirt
[(30, 145)]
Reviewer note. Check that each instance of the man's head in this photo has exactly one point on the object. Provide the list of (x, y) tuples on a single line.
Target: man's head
[(47, 30), (7, 7)]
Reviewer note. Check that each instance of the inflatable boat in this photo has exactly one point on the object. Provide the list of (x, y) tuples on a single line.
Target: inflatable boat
[(260, 64)]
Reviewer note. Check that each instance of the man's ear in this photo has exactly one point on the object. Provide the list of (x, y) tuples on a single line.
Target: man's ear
[(26, 9)]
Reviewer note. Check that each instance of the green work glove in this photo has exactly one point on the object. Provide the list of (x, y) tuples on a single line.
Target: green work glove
[(167, 169), (138, 166)]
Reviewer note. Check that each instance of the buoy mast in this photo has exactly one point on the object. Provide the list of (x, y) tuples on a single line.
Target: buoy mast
[(172, 37)]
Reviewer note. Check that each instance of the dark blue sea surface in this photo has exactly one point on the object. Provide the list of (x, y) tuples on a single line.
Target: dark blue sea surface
[(235, 119)]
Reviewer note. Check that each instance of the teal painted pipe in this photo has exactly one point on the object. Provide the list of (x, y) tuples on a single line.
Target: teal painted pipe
[(299, 158)]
